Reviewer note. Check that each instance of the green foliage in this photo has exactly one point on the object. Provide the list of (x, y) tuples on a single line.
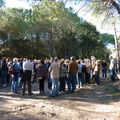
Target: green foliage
[(48, 29), (107, 38)]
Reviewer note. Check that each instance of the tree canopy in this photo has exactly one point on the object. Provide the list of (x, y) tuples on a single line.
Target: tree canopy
[(48, 29)]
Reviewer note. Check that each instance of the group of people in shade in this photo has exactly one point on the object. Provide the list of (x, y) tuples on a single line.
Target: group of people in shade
[(60, 74)]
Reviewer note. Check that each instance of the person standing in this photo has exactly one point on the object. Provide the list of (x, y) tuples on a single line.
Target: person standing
[(54, 74), (72, 71), (15, 74), (96, 72), (112, 68), (88, 70), (4, 70), (93, 61), (104, 68), (63, 75), (41, 75), (27, 74)]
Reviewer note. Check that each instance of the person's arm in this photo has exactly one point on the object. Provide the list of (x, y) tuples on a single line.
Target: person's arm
[(76, 66), (50, 68), (32, 68), (46, 73), (68, 68)]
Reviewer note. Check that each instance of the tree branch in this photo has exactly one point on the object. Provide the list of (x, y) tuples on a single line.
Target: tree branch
[(116, 6)]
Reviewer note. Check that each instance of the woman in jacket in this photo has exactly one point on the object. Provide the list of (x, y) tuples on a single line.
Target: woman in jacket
[(63, 75), (41, 74)]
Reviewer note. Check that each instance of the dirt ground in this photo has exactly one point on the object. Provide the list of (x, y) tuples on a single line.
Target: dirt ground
[(88, 103)]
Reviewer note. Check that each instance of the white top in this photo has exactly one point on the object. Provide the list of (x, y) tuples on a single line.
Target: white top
[(27, 65), (112, 64), (95, 69)]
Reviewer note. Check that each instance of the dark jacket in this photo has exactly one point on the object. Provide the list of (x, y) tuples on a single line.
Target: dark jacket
[(4, 66), (41, 71)]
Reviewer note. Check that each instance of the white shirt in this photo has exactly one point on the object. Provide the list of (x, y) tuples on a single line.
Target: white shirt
[(27, 65), (112, 64)]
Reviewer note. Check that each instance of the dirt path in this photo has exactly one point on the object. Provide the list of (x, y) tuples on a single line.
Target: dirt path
[(89, 103)]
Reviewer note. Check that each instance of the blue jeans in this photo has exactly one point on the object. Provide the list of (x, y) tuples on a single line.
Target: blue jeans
[(14, 85), (112, 74), (19, 82), (97, 79), (55, 87), (4, 77), (71, 82), (104, 70), (81, 78), (49, 83)]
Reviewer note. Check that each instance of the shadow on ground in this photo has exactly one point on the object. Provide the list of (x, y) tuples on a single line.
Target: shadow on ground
[(104, 94)]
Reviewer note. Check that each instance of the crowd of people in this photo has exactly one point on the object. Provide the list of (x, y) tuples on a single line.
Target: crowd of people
[(61, 75)]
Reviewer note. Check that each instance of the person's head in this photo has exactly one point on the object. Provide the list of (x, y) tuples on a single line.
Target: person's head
[(67, 61), (21, 59), (15, 60), (42, 61), (111, 57), (24, 59), (78, 61), (93, 58), (62, 61), (88, 60), (4, 59), (55, 59), (82, 61), (72, 58), (98, 62), (51, 60)]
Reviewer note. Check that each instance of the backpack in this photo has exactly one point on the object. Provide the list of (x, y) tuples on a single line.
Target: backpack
[(84, 69), (11, 70)]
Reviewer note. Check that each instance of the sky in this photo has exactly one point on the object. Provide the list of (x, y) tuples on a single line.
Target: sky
[(82, 13), (86, 14), (17, 3)]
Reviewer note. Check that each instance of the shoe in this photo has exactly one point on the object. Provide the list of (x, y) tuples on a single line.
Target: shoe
[(4, 85), (16, 92), (30, 93), (95, 84), (23, 93), (42, 92), (52, 96), (81, 87)]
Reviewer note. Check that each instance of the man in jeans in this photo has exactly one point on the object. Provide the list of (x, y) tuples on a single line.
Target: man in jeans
[(72, 71), (15, 75), (54, 74)]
